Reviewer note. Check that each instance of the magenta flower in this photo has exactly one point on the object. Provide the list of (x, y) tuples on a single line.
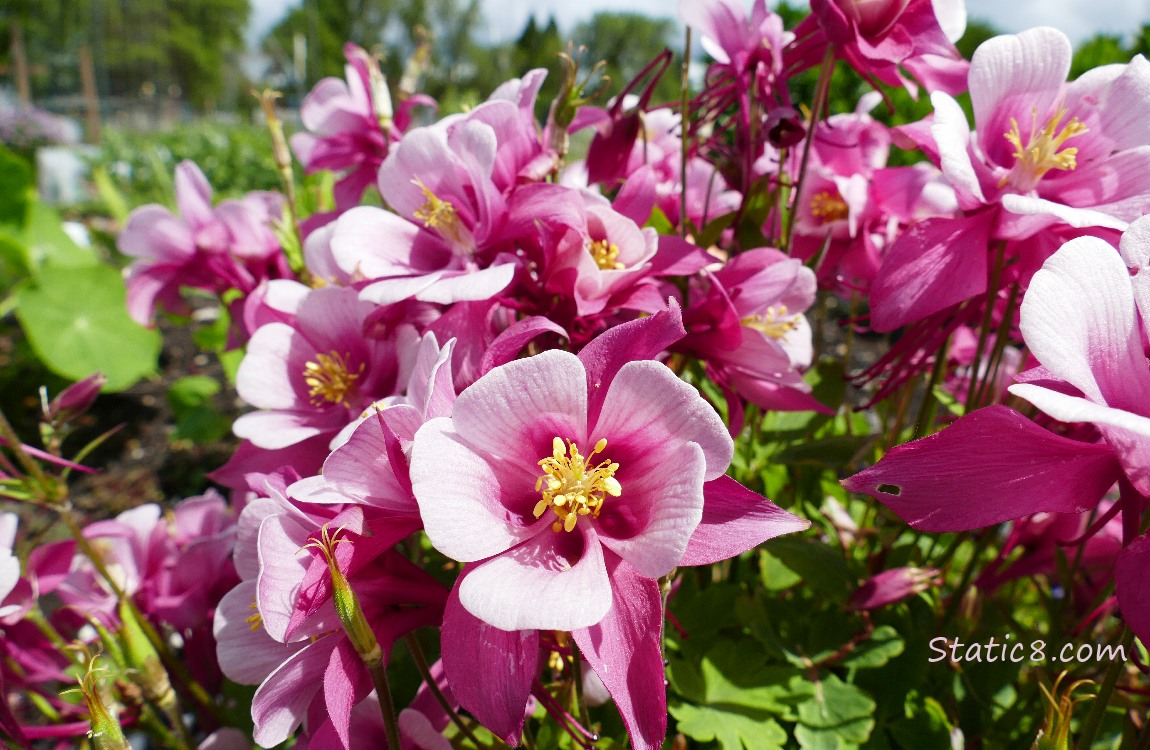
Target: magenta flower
[(572, 484), (1048, 160), (230, 246), (882, 38), (351, 125), (747, 321), (313, 376), (1081, 320)]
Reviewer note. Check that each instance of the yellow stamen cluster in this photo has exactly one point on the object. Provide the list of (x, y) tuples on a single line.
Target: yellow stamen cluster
[(329, 379), (571, 486), (775, 322), (828, 206), (438, 214), (606, 255), (1043, 150)]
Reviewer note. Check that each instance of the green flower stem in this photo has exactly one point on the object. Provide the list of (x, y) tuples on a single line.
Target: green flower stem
[(425, 671), (1093, 721)]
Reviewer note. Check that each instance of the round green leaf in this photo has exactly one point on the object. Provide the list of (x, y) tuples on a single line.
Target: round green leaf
[(77, 323)]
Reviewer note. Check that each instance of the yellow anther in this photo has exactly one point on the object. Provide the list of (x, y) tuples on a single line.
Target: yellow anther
[(256, 620), (828, 206), (775, 322), (329, 379), (606, 255), (571, 486), (1043, 150), (438, 214)]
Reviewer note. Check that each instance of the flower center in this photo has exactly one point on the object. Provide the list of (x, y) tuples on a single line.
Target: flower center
[(1043, 150), (571, 486), (606, 255), (329, 380), (775, 322), (828, 206), (438, 214)]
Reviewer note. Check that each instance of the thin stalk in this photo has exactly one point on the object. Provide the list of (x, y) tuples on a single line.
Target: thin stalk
[(684, 105), (386, 704), (822, 91), (987, 316), (29, 463), (577, 678), (984, 390), (929, 407), (425, 672), (956, 598), (1098, 709)]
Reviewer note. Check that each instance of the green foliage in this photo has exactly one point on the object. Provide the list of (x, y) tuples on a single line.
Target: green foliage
[(139, 167), (70, 306), (192, 45), (196, 419)]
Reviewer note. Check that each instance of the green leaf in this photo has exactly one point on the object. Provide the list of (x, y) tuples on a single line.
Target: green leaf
[(775, 575), (196, 419), (883, 645), (659, 222), (733, 731), (924, 725), (736, 697), (838, 716), (48, 245), (16, 188), (822, 569), (77, 323), (834, 452)]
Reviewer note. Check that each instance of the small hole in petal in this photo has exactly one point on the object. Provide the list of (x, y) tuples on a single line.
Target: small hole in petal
[(889, 489)]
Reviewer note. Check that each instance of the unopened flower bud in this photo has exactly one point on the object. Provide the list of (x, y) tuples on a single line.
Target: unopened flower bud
[(347, 605), (76, 398), (892, 586)]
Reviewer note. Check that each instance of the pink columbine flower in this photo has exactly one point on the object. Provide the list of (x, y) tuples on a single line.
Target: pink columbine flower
[(1048, 160), (570, 484), (882, 38), (229, 246), (351, 125), (1082, 318), (15, 592), (747, 321), (311, 377)]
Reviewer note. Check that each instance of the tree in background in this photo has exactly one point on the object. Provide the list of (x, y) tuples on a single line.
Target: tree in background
[(186, 47)]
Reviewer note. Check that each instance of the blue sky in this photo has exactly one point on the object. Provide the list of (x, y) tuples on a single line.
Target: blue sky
[(1080, 19)]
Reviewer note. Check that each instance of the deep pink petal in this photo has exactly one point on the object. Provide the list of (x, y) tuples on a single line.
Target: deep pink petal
[(1130, 585), (554, 581), (490, 670), (934, 264), (507, 344), (992, 465), (639, 339), (624, 649), (1127, 433), (735, 520), (345, 683)]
